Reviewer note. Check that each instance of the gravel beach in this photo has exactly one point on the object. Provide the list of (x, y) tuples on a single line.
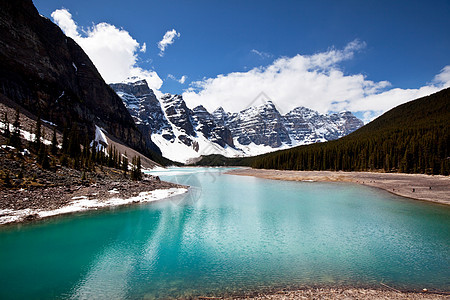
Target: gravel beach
[(346, 293), (433, 188)]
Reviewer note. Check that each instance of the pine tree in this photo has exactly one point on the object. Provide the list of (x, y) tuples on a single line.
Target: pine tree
[(74, 148), (7, 180), (65, 141), (7, 132), (136, 173), (37, 135), (54, 145), (15, 140), (45, 160), (125, 164), (42, 158), (110, 157)]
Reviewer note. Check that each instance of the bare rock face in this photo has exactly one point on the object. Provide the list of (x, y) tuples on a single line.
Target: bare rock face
[(346, 122), (178, 113), (204, 122), (50, 75), (170, 118), (144, 107), (307, 126), (262, 125)]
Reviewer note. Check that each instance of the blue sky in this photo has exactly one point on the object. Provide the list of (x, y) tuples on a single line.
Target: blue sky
[(405, 43)]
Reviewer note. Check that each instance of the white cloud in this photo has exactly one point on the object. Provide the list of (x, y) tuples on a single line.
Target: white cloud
[(112, 50), (314, 81), (143, 48), (63, 18), (443, 77), (168, 39), (182, 80), (261, 53)]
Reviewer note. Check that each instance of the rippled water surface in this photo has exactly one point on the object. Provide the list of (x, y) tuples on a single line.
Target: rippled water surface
[(231, 234)]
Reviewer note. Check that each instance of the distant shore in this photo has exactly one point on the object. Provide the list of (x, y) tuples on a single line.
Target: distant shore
[(432, 188)]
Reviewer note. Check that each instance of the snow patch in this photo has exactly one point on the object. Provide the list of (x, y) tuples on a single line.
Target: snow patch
[(100, 138), (82, 203), (49, 123), (25, 134)]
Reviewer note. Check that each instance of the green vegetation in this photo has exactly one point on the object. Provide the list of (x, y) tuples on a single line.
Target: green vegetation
[(14, 139), (220, 160), (84, 157), (136, 173), (411, 138)]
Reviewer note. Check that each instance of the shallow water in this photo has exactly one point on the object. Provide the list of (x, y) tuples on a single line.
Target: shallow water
[(231, 234)]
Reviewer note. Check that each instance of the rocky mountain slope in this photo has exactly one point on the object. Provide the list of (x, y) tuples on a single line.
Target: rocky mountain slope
[(184, 134), (48, 74)]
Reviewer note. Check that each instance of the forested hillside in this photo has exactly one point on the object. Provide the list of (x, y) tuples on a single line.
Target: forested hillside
[(411, 138)]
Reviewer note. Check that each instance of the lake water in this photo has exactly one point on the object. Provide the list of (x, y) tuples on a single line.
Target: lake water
[(231, 234)]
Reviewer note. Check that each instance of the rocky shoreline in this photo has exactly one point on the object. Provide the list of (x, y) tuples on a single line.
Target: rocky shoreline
[(431, 188), (343, 293), (29, 192), (31, 204)]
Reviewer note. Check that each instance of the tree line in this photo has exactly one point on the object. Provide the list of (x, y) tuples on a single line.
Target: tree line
[(411, 138), (75, 150), (405, 151)]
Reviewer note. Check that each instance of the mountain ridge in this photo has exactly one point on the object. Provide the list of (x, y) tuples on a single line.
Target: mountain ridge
[(255, 130)]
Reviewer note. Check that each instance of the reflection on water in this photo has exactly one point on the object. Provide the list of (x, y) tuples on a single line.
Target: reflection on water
[(231, 234)]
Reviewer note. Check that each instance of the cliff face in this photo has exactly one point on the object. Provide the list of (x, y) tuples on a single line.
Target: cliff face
[(51, 76), (144, 107)]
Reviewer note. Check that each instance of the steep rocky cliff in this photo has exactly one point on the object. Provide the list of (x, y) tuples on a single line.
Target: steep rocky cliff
[(50, 75)]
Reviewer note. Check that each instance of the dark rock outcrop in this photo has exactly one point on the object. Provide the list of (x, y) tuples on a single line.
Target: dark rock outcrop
[(205, 123), (47, 73), (144, 107)]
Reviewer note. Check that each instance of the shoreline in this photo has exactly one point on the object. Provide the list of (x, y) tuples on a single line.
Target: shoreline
[(83, 199), (429, 188), (341, 293)]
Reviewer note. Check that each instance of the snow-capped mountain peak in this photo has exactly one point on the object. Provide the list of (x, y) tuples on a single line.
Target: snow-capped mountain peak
[(184, 134)]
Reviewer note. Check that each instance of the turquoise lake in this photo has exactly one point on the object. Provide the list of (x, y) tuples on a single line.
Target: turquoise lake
[(231, 234)]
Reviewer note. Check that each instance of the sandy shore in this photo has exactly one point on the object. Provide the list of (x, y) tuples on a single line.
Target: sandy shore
[(434, 188), (345, 293)]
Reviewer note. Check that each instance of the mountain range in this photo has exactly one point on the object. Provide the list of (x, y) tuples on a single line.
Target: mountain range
[(47, 73), (183, 134)]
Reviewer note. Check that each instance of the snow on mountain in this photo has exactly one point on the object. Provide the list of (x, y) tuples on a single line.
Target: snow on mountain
[(144, 107), (100, 139), (261, 125), (183, 134), (306, 126)]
